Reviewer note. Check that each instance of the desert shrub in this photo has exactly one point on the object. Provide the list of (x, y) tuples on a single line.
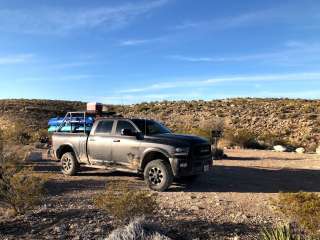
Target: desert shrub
[(280, 233), (203, 128), (242, 138), (270, 139), (218, 153), (124, 203), (20, 190), (302, 208), (18, 133), (39, 134)]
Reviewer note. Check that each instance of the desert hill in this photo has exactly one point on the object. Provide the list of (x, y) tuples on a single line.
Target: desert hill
[(294, 121)]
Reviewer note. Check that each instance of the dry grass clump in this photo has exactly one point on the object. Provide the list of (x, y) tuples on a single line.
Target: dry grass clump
[(125, 203), (302, 208)]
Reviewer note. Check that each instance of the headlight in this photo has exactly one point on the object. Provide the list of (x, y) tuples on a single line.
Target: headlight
[(182, 150)]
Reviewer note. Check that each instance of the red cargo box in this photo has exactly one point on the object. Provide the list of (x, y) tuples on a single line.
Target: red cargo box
[(94, 107)]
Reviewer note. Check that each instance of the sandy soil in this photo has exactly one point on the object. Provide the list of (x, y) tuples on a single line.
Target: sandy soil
[(231, 202)]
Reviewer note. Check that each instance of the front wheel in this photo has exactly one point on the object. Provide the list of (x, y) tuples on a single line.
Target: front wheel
[(69, 164), (158, 175)]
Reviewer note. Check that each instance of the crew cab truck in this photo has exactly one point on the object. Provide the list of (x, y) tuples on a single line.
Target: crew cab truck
[(138, 145)]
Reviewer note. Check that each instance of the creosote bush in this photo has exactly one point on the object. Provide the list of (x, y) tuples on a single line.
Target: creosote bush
[(20, 190), (242, 138), (124, 203), (18, 134), (302, 208)]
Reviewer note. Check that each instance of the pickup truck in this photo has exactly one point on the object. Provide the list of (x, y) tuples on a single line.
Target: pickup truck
[(139, 145)]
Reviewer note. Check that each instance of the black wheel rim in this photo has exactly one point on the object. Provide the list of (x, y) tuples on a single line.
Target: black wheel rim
[(155, 176), (66, 163)]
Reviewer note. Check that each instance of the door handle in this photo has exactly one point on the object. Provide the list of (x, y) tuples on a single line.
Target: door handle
[(116, 140), (92, 140)]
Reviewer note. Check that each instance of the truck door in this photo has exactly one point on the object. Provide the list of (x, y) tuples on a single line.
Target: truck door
[(125, 149), (100, 143)]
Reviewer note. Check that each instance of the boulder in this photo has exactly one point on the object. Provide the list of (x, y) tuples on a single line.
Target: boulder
[(280, 148), (300, 150)]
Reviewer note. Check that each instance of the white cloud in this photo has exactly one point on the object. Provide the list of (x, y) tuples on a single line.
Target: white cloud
[(15, 59), (61, 21), (302, 76)]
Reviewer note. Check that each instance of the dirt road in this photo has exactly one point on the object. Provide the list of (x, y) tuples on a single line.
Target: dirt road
[(231, 202)]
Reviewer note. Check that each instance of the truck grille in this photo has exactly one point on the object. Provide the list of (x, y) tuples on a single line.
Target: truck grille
[(201, 150)]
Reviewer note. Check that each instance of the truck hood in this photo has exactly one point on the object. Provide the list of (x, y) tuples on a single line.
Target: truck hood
[(178, 139)]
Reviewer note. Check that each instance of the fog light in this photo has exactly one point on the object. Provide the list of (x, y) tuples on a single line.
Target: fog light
[(183, 165)]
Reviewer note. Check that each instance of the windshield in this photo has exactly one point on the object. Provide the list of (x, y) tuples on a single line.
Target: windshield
[(150, 127)]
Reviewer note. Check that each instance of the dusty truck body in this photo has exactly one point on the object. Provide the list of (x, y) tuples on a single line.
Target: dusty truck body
[(138, 145)]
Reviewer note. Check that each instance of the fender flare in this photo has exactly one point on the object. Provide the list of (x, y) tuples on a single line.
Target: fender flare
[(155, 150), (66, 145)]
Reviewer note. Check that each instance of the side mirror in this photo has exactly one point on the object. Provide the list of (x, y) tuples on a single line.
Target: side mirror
[(128, 132)]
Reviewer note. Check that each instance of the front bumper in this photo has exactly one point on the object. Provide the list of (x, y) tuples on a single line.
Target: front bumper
[(185, 166)]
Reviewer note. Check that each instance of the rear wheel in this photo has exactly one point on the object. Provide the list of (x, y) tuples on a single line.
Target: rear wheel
[(69, 164), (158, 175)]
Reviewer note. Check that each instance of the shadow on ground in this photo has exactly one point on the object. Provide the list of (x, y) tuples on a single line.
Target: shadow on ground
[(248, 179), (201, 229), (221, 179)]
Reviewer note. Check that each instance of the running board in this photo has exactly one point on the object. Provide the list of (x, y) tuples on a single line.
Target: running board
[(111, 169)]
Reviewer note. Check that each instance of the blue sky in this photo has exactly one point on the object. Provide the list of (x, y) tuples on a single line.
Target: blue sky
[(133, 51)]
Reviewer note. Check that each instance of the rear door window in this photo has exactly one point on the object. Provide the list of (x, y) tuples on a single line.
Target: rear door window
[(104, 127)]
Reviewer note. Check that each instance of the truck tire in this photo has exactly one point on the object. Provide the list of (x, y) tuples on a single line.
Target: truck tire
[(69, 164), (158, 175)]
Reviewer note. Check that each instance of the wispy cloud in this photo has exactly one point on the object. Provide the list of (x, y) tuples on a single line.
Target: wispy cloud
[(71, 65), (135, 42), (61, 21), (302, 76), (244, 19), (284, 14), (15, 59), (293, 52), (58, 78)]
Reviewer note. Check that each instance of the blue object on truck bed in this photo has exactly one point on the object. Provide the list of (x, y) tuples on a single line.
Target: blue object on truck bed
[(77, 124), (57, 121), (68, 129)]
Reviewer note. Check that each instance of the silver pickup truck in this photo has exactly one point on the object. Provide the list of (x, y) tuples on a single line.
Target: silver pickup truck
[(139, 145)]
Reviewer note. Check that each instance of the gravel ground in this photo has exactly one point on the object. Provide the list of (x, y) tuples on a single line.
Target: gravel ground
[(231, 202)]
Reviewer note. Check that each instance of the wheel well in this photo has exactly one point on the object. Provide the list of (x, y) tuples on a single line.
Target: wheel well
[(153, 156), (63, 149)]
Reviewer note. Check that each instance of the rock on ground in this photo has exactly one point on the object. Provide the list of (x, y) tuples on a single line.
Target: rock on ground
[(279, 148)]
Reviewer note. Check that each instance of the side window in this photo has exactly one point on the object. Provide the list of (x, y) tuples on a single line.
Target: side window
[(104, 127), (122, 125)]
